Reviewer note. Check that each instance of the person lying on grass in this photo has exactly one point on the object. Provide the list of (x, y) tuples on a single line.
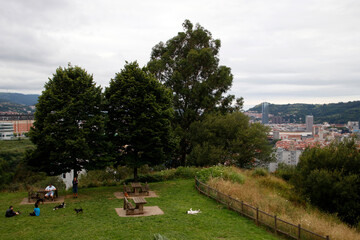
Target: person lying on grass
[(10, 212)]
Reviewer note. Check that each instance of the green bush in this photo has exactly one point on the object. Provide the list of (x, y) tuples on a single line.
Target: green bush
[(186, 172), (54, 180), (226, 173), (96, 178), (285, 171), (260, 172), (169, 174)]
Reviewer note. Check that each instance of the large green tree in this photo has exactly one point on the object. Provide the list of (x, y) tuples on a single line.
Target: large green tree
[(330, 178), (189, 65), (140, 112), (229, 139), (69, 126)]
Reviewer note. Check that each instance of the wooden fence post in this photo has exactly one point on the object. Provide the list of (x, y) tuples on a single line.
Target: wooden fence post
[(299, 229), (242, 207), (327, 237), (275, 224), (257, 216)]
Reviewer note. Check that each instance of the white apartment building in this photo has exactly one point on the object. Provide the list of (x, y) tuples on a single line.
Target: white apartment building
[(6, 130), (290, 157)]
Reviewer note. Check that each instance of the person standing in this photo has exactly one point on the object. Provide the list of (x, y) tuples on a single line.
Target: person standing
[(75, 187)]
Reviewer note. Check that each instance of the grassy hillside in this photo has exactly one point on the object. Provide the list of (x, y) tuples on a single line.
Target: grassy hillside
[(332, 113), (11, 155), (276, 197), (100, 221)]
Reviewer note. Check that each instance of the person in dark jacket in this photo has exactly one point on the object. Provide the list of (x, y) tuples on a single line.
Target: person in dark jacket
[(10, 212), (75, 187)]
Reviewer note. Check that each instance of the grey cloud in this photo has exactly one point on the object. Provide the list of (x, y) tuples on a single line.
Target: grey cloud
[(277, 50)]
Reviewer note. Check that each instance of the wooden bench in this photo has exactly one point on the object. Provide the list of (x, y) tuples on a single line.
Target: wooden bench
[(145, 189), (129, 208), (127, 189), (40, 194), (33, 195)]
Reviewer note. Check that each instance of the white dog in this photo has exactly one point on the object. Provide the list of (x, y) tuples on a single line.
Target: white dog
[(193, 211)]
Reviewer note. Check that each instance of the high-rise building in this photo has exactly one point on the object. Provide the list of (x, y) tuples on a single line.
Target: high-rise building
[(265, 113), (309, 123)]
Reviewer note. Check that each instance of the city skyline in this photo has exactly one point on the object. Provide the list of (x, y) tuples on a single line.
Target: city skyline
[(299, 52)]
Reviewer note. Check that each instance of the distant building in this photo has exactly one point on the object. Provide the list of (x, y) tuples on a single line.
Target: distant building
[(289, 157), (276, 120), (309, 123), (276, 135), (6, 131), (265, 113), (353, 125)]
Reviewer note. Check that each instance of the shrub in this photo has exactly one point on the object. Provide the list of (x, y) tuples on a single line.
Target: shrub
[(169, 174), (96, 178), (260, 172), (54, 180), (186, 172), (285, 171), (226, 173)]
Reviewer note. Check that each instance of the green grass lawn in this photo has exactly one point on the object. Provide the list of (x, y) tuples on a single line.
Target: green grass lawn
[(100, 221)]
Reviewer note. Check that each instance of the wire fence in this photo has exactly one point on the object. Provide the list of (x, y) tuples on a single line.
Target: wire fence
[(277, 225)]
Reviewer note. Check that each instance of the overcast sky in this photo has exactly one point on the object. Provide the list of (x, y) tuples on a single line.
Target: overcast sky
[(280, 51)]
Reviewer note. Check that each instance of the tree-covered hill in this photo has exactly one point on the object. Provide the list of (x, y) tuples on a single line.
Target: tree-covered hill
[(17, 102), (14, 107), (25, 99), (333, 113)]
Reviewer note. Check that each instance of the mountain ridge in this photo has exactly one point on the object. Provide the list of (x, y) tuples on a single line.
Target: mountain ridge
[(332, 113), (19, 98)]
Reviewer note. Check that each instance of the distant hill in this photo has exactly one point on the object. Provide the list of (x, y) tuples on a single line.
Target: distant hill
[(332, 113), (25, 99)]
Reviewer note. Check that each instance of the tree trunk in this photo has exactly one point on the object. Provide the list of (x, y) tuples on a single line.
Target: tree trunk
[(183, 151), (135, 174)]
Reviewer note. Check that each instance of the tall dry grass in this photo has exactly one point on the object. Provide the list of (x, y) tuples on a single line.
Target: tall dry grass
[(271, 194)]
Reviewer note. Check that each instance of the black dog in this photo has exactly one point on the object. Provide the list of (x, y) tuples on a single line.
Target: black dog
[(60, 206), (78, 210), (39, 200)]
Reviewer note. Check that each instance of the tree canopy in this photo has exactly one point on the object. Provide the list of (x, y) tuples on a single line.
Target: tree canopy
[(139, 111), (229, 139), (189, 65), (69, 127), (330, 178)]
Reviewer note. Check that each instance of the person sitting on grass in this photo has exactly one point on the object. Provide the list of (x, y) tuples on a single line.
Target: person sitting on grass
[(36, 212), (10, 212), (50, 191)]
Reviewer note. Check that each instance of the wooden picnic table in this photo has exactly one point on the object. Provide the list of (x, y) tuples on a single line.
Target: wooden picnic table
[(40, 194), (140, 201), (137, 187)]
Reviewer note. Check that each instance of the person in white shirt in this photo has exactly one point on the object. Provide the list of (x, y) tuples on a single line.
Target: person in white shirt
[(50, 191)]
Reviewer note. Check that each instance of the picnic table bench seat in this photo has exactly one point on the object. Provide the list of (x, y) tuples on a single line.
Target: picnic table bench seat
[(129, 208), (145, 189), (39, 194), (127, 188)]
